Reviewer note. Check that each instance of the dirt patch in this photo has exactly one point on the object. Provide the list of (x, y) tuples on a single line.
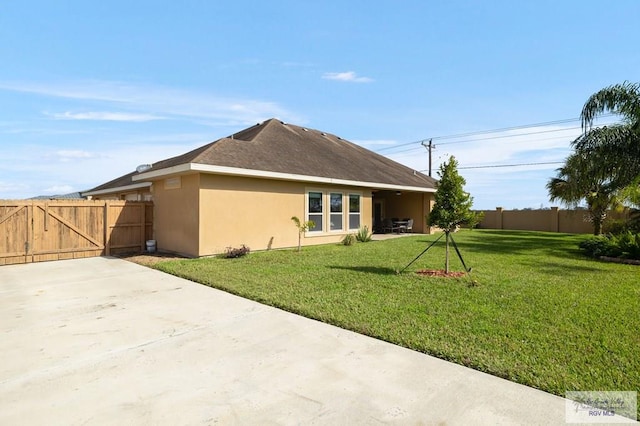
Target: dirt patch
[(439, 273), (150, 259)]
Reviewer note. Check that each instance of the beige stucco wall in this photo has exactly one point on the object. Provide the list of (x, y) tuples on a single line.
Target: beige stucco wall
[(257, 213), (551, 220), (177, 214)]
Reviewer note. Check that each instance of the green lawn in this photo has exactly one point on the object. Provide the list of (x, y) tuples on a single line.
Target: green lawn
[(542, 314)]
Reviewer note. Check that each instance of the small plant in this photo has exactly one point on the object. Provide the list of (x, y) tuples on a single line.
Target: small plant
[(302, 228), (348, 240), (363, 235), (232, 253)]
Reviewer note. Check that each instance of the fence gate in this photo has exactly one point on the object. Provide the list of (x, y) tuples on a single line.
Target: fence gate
[(15, 232), (36, 231)]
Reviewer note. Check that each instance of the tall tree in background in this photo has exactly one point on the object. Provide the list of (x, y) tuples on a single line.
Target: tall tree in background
[(605, 165), (453, 204), (617, 147), (581, 178)]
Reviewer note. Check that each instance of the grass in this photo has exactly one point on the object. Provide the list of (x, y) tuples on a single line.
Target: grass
[(542, 314)]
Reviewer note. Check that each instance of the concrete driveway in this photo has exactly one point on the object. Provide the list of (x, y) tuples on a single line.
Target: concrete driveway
[(105, 341)]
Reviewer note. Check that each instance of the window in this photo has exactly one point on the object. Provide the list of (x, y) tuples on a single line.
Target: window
[(333, 211), (354, 211), (315, 211), (335, 217)]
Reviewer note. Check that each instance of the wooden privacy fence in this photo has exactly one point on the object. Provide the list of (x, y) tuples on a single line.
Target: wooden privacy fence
[(37, 231), (551, 220)]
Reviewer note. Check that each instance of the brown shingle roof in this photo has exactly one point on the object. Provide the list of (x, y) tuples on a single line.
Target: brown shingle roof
[(274, 146)]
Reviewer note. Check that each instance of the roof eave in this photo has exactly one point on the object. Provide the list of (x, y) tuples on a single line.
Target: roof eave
[(117, 189), (235, 171)]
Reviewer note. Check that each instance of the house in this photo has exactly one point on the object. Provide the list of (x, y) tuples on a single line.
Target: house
[(244, 189)]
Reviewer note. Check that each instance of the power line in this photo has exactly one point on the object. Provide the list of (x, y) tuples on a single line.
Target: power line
[(503, 129), (510, 136), (492, 166), (416, 148)]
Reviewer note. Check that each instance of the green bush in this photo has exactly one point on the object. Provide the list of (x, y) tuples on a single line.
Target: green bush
[(596, 246), (625, 245), (621, 226), (628, 245), (363, 235), (617, 226), (348, 240), (232, 253), (474, 220)]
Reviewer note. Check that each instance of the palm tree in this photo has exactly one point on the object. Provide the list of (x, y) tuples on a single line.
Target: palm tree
[(582, 178), (622, 99), (617, 147)]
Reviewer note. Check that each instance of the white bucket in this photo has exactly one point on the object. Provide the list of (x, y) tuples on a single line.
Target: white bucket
[(151, 246)]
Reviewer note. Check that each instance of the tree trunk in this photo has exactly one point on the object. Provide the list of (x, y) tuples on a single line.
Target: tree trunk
[(597, 227), (446, 256), (598, 218)]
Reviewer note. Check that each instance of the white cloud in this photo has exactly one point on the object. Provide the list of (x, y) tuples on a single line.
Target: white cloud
[(348, 76), (156, 101), (68, 155), (104, 116), (58, 189), (529, 145), (10, 187)]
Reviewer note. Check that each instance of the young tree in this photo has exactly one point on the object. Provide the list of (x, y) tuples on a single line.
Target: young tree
[(302, 228), (453, 204)]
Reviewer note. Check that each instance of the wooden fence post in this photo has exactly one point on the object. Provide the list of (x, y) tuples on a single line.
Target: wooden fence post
[(107, 229), (499, 218), (555, 219), (143, 226)]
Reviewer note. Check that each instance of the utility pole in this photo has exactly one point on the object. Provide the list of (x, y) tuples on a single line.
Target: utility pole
[(430, 147)]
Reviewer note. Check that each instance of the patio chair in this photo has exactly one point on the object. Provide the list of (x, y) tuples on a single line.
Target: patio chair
[(387, 225), (405, 225), (409, 227)]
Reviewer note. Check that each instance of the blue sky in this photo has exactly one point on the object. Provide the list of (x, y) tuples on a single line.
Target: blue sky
[(90, 90)]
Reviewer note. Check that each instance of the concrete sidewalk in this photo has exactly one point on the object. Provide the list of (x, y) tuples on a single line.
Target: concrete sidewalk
[(105, 341)]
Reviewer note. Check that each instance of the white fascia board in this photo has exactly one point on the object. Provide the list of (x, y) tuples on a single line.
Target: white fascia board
[(119, 189), (235, 171), (152, 174)]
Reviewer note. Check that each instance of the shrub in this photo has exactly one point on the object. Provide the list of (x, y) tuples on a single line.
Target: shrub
[(363, 235), (625, 245), (232, 253), (474, 220), (596, 246), (617, 226), (348, 240)]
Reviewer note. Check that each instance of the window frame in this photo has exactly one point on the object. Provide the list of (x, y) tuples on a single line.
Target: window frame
[(358, 213), (326, 213), (307, 213), (332, 213)]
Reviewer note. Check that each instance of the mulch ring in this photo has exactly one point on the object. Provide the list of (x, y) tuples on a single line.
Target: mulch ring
[(439, 273)]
